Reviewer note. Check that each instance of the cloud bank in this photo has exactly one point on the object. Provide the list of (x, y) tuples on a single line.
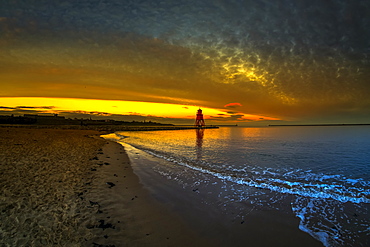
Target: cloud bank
[(300, 60)]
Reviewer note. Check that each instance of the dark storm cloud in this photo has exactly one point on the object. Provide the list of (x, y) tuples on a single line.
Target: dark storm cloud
[(278, 57)]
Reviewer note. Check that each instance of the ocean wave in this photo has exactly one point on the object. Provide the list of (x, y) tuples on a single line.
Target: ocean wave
[(296, 182), (330, 195)]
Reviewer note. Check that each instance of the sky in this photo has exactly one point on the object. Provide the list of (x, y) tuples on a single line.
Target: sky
[(245, 62)]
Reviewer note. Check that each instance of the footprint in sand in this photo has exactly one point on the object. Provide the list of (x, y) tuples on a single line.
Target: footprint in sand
[(111, 184)]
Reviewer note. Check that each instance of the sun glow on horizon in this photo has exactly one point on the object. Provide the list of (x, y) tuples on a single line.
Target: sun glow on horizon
[(118, 107)]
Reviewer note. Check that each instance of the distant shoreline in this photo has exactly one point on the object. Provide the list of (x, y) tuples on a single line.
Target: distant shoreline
[(106, 128), (280, 125)]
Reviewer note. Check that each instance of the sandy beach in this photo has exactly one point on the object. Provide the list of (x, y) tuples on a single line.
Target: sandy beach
[(44, 176), (72, 188)]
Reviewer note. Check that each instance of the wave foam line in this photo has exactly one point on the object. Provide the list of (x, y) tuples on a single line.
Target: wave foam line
[(282, 186)]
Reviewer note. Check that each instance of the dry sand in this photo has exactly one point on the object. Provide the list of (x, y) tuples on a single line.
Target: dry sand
[(71, 188), (44, 173)]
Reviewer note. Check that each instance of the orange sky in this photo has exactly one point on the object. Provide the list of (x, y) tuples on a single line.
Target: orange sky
[(274, 70), (109, 108)]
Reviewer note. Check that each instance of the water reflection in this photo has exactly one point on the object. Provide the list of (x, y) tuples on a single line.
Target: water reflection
[(199, 142)]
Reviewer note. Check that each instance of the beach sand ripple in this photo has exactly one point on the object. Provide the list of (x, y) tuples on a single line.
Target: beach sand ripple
[(44, 174)]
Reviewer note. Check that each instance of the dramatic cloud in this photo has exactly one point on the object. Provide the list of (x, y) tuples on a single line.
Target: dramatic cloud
[(295, 60)]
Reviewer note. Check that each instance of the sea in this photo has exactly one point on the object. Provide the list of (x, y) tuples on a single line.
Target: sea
[(320, 174)]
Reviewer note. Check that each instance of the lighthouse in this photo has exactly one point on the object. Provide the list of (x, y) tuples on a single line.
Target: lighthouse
[(199, 121)]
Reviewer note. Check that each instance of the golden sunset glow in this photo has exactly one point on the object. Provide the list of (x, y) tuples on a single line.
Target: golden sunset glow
[(155, 59), (111, 107)]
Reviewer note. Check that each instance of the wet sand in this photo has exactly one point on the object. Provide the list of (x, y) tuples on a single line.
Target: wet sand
[(198, 205), (72, 188)]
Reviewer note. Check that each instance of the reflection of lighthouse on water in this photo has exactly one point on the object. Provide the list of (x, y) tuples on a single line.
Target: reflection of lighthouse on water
[(199, 122), (199, 143)]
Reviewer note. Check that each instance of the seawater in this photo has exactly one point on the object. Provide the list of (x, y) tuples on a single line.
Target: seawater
[(323, 171)]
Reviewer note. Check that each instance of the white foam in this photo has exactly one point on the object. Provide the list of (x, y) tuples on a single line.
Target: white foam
[(312, 189)]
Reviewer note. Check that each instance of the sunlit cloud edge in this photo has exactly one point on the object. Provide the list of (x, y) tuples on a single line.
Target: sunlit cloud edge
[(114, 109)]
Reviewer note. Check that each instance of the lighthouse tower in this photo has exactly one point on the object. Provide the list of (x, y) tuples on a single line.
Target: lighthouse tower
[(199, 121)]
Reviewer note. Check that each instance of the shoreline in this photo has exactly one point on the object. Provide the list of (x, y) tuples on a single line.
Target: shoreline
[(313, 125), (133, 217), (196, 204), (105, 128), (74, 188)]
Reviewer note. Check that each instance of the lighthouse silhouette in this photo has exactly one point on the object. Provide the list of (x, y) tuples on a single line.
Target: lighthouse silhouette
[(199, 121)]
